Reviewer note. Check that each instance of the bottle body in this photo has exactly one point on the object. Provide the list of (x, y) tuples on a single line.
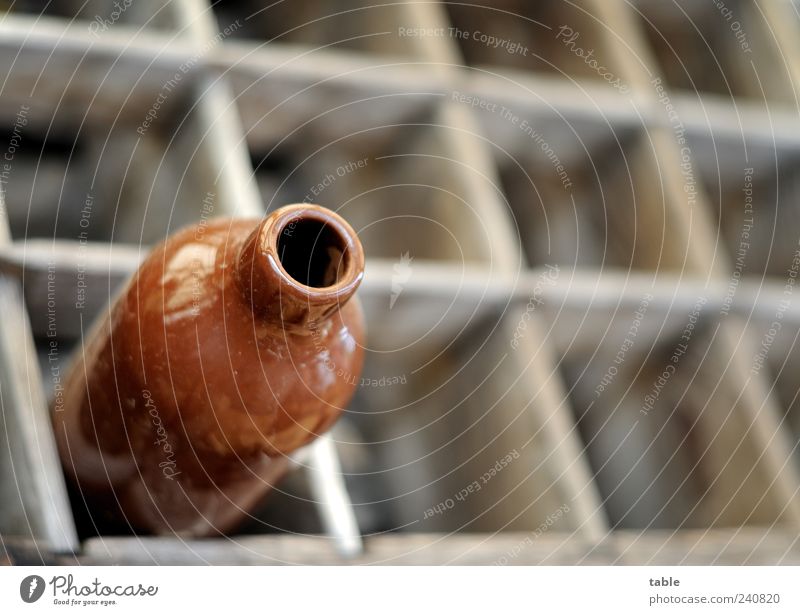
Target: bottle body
[(206, 373)]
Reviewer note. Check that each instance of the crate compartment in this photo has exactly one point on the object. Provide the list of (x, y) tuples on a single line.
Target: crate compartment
[(52, 75), (729, 50), (585, 194), (647, 467), (678, 436), (354, 25), (129, 183), (753, 189), (564, 39), (396, 184), (107, 188), (40, 174), (473, 439), (277, 101)]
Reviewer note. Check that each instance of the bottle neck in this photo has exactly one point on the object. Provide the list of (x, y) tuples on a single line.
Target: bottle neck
[(299, 266)]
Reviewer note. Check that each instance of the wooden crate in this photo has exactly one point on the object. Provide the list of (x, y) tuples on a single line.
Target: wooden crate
[(573, 266)]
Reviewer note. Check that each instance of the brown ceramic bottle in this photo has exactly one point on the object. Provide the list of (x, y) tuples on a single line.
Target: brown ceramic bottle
[(236, 342)]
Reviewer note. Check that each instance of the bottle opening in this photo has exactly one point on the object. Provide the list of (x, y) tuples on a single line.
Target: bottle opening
[(312, 252)]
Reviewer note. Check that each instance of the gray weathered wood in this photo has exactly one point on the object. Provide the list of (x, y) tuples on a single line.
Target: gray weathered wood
[(721, 547)]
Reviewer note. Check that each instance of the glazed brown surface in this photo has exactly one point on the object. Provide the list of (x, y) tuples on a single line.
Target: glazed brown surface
[(211, 367)]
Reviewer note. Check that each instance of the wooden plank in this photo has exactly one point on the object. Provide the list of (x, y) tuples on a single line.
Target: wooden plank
[(721, 547), (34, 497), (604, 297)]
